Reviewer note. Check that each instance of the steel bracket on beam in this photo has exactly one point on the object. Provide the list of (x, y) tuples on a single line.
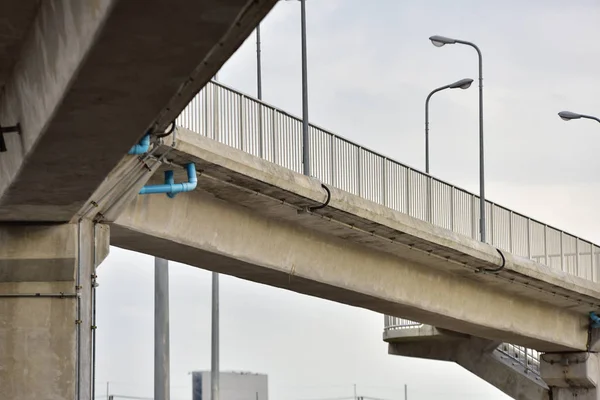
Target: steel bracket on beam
[(7, 129)]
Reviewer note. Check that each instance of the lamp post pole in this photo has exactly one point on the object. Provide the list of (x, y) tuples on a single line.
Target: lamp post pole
[(161, 329), (462, 84), (305, 137), (258, 64), (440, 41)]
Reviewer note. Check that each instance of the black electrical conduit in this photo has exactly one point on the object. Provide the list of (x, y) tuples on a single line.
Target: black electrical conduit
[(498, 269), (326, 201), (167, 132)]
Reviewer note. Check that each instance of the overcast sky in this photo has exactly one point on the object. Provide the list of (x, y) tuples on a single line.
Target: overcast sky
[(371, 66)]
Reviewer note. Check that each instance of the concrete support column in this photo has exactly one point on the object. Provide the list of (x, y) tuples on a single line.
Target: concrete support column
[(572, 375), (46, 277)]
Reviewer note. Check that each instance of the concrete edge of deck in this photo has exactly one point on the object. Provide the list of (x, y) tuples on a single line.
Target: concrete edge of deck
[(195, 147)]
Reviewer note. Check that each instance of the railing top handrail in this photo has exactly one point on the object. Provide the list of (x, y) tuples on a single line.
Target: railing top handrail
[(398, 163)]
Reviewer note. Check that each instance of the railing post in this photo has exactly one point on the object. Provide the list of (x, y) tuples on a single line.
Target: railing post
[(215, 133), (332, 158), (359, 173), (260, 131), (428, 202), (529, 238), (562, 251), (452, 190), (474, 220), (274, 145), (384, 182), (408, 190), (546, 245), (577, 255), (510, 231), (592, 260), (491, 225), (242, 120), (206, 110)]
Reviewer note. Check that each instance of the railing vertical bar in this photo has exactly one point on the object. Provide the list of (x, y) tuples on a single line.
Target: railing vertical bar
[(510, 231), (529, 238), (492, 225), (473, 218), (260, 131), (452, 192), (333, 160), (546, 245), (594, 273), (577, 257), (242, 121), (408, 185), (384, 182), (359, 171), (562, 251), (275, 145)]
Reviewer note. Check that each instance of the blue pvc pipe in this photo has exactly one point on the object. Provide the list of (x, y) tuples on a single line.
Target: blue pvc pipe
[(141, 147), (595, 320), (170, 180), (171, 188)]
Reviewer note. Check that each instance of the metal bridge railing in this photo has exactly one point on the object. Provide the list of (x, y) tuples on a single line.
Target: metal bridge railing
[(529, 359), (253, 126), (392, 323)]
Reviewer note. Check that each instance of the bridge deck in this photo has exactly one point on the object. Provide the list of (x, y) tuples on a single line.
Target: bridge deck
[(240, 121), (243, 220)]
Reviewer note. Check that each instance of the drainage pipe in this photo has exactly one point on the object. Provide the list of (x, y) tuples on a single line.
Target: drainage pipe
[(142, 147), (171, 188)]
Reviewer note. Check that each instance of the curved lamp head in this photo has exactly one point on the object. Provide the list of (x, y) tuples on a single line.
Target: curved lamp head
[(462, 84), (568, 115), (439, 41)]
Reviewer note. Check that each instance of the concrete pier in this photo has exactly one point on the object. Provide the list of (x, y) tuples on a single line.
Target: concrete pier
[(46, 274)]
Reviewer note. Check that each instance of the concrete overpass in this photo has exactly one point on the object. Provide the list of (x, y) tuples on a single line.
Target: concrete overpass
[(83, 81), (365, 230), (252, 219)]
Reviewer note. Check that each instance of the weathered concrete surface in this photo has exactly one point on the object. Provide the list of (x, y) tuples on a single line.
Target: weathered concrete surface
[(92, 77), (572, 375), (479, 356), (39, 343), (16, 17), (243, 221)]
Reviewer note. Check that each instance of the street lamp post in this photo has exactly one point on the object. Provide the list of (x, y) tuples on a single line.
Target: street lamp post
[(568, 115), (258, 65), (440, 41), (462, 84), (305, 138)]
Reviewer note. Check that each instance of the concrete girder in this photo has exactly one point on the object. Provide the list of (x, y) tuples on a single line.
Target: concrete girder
[(92, 78)]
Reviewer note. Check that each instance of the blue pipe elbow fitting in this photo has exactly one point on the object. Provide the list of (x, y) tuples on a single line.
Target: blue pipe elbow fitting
[(170, 188), (595, 320), (142, 147)]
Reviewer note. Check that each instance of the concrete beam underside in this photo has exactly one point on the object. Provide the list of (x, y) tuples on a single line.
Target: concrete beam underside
[(92, 78), (45, 342), (201, 230)]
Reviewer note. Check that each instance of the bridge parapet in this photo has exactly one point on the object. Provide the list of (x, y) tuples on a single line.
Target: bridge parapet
[(253, 126)]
